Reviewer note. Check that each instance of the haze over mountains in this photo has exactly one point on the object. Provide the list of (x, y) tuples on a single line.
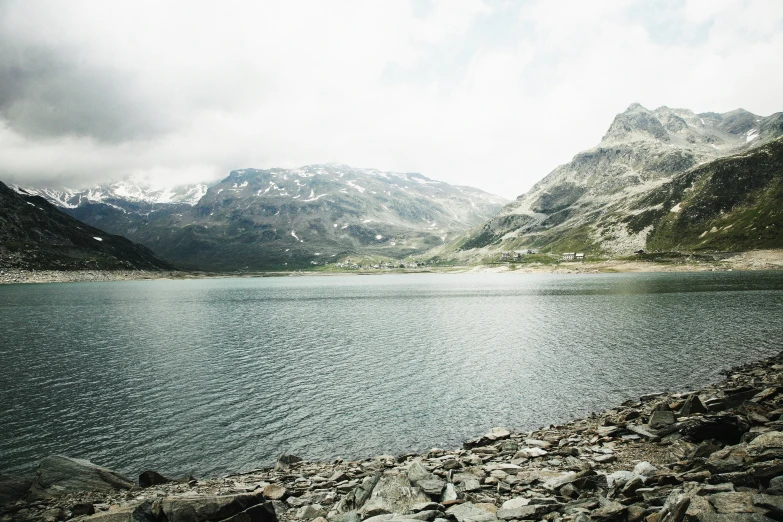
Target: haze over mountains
[(605, 199), (260, 219)]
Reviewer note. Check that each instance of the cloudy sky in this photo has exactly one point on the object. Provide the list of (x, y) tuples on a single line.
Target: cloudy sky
[(491, 93)]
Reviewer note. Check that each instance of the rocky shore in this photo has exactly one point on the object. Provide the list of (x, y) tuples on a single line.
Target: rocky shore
[(15, 275), (715, 455)]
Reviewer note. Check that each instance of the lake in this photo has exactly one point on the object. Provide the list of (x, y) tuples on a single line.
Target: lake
[(222, 375)]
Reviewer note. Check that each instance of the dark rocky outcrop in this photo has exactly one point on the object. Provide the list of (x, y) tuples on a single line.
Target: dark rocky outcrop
[(57, 476), (35, 235)]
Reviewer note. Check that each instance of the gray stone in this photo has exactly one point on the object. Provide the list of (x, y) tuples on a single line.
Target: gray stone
[(217, 507), (677, 511), (773, 503), (417, 472), (732, 502), (766, 446), (13, 488), (659, 419), (433, 487), (57, 476), (310, 512), (275, 492), (449, 494), (468, 512), (608, 510), (775, 486), (645, 470), (151, 478), (619, 478), (392, 494), (83, 509)]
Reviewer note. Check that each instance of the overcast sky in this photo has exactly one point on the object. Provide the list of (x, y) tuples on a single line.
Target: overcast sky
[(492, 94)]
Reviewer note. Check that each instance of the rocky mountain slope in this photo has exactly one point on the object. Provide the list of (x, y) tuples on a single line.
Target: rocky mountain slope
[(35, 235), (592, 202), (278, 218)]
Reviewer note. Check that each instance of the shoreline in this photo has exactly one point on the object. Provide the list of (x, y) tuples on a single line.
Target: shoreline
[(743, 261), (710, 455)]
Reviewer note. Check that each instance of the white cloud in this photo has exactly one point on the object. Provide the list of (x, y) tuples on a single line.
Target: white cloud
[(488, 94)]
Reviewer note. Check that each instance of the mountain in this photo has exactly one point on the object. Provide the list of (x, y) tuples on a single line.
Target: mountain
[(592, 202), (34, 234), (125, 194), (729, 204), (280, 218)]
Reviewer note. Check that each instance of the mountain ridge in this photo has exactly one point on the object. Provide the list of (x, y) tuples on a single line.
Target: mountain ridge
[(36, 235), (570, 208), (288, 218)]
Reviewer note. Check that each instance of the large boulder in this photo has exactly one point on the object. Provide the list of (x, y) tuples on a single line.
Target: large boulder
[(13, 488), (206, 508), (58, 475), (766, 446), (392, 494)]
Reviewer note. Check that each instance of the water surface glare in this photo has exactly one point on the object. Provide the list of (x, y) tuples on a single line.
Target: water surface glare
[(212, 376)]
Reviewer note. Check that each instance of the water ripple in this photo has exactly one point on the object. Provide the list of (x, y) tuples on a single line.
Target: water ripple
[(212, 376)]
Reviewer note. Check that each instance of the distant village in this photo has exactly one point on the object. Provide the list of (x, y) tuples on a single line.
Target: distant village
[(518, 255), (385, 265)]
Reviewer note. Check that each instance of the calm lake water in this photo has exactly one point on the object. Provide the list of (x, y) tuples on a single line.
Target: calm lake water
[(212, 376)]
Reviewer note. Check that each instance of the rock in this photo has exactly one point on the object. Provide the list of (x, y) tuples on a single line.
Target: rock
[(13, 488), (275, 492), (692, 405), (609, 510), (57, 476), (310, 512), (636, 513), (392, 494), (468, 512), (497, 434), (766, 446), (677, 511), (284, 462), (151, 478), (530, 453), (556, 483), (645, 470), (773, 503), (734, 517), (83, 509), (432, 487), (449, 494), (338, 476), (53, 515), (643, 431), (725, 428), (416, 472), (216, 507), (619, 478), (543, 444), (727, 460), (698, 507), (259, 513), (288, 459), (659, 419), (775, 486), (733, 502), (515, 502)]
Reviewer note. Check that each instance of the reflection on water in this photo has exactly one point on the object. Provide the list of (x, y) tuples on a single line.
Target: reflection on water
[(217, 375)]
